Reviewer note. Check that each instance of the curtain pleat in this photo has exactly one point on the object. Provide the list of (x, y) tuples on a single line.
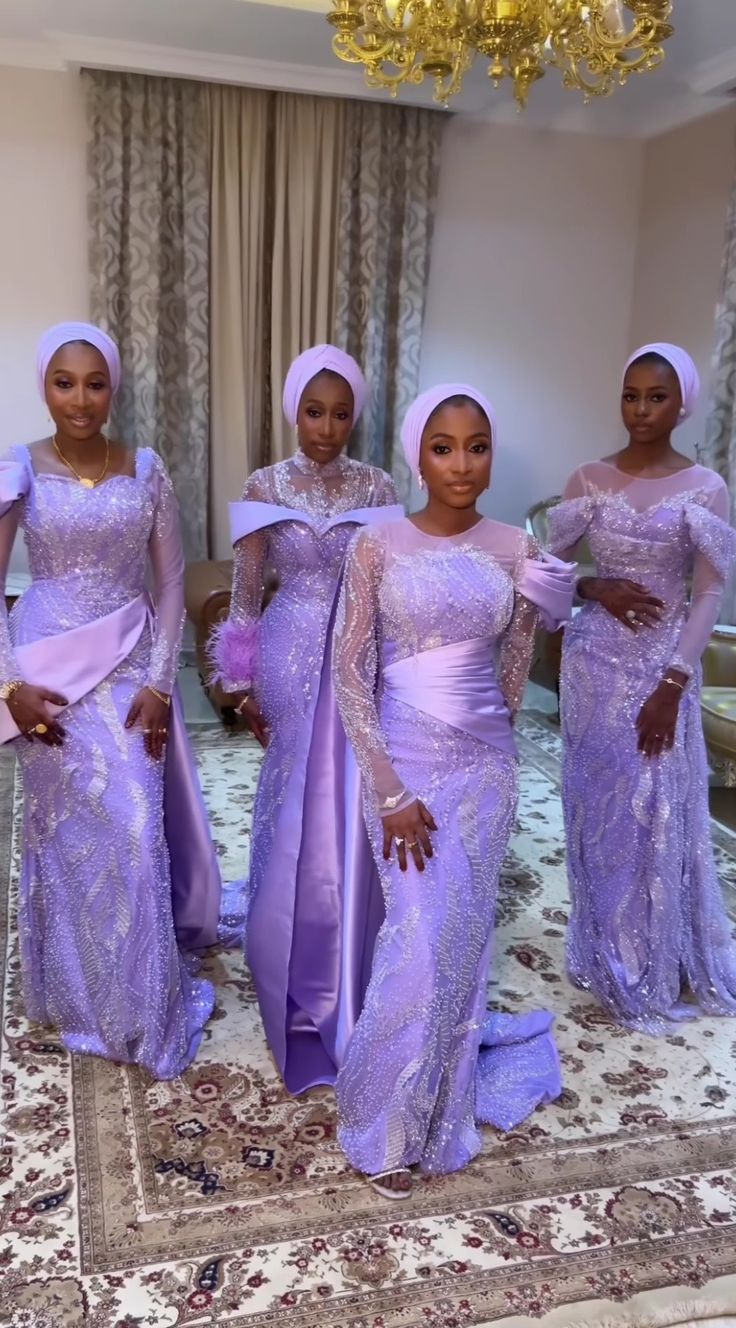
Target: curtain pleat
[(149, 183)]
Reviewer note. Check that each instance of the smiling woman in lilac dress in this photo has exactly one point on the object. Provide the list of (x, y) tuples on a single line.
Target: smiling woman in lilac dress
[(117, 858), (312, 900), (432, 650), (648, 934)]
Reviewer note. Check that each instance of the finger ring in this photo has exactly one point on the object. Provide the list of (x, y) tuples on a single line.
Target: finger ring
[(412, 845), (148, 732), (631, 615), (41, 728), (400, 842)]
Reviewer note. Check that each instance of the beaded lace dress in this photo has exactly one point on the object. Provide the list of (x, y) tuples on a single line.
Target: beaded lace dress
[(648, 933), (311, 899), (433, 646), (97, 935)]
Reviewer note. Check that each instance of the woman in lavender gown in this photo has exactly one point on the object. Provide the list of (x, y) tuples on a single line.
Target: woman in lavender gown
[(433, 644), (117, 857), (648, 935), (313, 904)]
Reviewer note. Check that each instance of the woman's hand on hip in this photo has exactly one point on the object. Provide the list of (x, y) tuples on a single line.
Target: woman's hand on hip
[(29, 707), (626, 600), (151, 714), (410, 830), (250, 711), (656, 722)]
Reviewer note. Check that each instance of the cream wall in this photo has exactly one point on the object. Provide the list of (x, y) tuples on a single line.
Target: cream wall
[(530, 293), (686, 184), (43, 258)]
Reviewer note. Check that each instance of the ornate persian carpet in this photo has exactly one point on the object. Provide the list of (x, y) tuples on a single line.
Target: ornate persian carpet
[(218, 1200)]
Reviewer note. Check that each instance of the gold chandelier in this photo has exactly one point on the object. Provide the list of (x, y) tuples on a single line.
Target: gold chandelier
[(593, 44)]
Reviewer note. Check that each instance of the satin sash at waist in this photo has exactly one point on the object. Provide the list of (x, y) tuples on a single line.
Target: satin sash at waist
[(456, 684), (75, 662)]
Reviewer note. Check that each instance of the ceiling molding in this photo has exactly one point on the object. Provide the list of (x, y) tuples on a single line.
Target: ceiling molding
[(58, 51), (680, 111), (179, 62), (714, 76)]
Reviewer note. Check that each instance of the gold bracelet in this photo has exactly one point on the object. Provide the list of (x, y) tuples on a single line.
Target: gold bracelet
[(9, 689), (161, 695), (673, 682)]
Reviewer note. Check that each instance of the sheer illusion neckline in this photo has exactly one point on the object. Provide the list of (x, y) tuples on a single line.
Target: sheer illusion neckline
[(463, 534), (320, 469), (649, 479), (70, 479)]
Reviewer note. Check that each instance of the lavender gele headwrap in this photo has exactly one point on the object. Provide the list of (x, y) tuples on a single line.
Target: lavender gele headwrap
[(426, 404), (683, 365), (314, 361), (64, 333)]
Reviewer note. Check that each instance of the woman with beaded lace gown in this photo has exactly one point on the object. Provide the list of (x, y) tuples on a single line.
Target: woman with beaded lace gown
[(433, 645), (117, 858), (648, 933), (312, 901)]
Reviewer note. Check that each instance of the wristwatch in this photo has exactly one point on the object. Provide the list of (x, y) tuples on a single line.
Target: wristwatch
[(8, 688)]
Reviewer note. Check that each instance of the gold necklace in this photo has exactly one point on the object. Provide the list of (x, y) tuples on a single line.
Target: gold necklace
[(83, 479)]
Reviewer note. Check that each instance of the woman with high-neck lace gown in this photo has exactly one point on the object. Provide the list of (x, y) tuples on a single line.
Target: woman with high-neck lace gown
[(312, 901), (648, 934), (118, 863), (433, 645)]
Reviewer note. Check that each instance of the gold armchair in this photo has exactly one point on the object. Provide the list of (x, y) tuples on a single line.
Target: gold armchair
[(718, 702)]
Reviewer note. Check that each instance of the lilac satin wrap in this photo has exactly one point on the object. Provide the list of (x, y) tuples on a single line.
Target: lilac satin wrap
[(549, 584), (425, 405), (314, 361), (247, 517), (65, 333), (683, 365), (313, 920), (73, 664), (456, 684)]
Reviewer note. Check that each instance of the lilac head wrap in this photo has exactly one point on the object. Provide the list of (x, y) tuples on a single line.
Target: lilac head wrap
[(61, 335), (683, 365), (312, 362), (425, 405)]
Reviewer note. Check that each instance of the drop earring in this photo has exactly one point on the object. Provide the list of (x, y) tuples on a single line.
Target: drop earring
[(682, 412), (420, 479)]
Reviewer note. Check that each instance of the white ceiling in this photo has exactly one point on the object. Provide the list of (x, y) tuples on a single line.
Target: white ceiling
[(287, 44)]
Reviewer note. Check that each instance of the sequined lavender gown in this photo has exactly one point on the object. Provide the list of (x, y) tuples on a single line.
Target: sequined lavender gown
[(647, 915), (426, 626), (97, 934), (312, 900)]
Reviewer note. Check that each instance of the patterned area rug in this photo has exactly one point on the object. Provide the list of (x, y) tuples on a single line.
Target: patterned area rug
[(218, 1200)]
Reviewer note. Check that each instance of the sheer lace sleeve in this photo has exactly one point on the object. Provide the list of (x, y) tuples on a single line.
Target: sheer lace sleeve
[(570, 518), (715, 546), (355, 665), (233, 647), (13, 486), (167, 561), (544, 589), (517, 645), (385, 490)]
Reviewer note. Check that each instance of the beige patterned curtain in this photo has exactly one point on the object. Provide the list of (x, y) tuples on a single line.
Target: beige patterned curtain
[(719, 450), (386, 214), (308, 171), (241, 226), (149, 185)]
